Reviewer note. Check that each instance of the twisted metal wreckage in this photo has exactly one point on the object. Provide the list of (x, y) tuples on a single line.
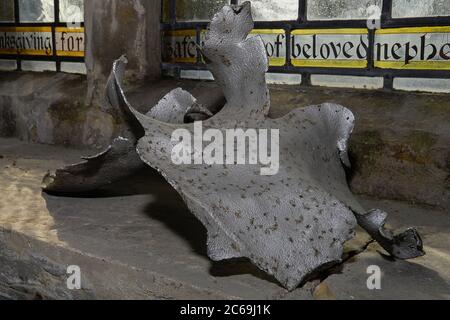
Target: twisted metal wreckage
[(292, 224)]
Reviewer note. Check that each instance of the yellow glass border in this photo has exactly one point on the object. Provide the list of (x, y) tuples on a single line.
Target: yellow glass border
[(413, 65), (8, 51), (66, 53), (61, 53), (445, 29), (182, 60), (28, 52), (343, 31), (69, 30), (277, 62), (268, 31), (26, 29), (180, 33), (356, 64)]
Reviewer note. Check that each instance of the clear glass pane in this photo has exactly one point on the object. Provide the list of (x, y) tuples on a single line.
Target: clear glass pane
[(424, 85), (36, 10), (73, 67), (196, 75), (8, 65), (7, 10), (325, 80), (71, 11), (283, 78), (38, 66), (420, 8), (274, 10), (198, 10), (343, 9)]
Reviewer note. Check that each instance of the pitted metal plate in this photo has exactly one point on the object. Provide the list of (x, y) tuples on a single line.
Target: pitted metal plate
[(291, 224), (120, 160)]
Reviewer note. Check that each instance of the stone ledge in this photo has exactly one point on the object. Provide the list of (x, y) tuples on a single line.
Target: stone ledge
[(136, 239)]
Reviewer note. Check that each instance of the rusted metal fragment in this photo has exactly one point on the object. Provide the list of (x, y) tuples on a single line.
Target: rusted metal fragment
[(405, 245), (119, 160)]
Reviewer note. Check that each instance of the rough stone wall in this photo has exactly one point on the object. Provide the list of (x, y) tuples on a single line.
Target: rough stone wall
[(121, 27), (58, 108)]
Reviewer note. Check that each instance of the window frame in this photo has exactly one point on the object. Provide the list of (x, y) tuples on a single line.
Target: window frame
[(302, 22), (53, 25)]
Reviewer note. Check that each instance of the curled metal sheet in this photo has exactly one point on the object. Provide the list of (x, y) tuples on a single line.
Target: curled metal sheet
[(291, 224), (405, 245), (288, 225), (120, 160)]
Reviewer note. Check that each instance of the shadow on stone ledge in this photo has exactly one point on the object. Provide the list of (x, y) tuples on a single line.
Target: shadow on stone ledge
[(153, 211)]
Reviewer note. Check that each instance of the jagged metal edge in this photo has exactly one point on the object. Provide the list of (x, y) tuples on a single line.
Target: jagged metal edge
[(405, 245), (119, 160), (279, 249)]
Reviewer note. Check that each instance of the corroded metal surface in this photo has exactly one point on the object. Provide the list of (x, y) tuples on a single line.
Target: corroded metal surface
[(120, 160), (405, 245), (288, 224), (291, 224)]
